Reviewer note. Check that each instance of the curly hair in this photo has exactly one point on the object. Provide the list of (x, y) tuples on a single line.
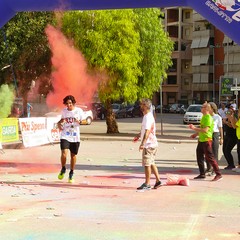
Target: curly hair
[(69, 97), (147, 102)]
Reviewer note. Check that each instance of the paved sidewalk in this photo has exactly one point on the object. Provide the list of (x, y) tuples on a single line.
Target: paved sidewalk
[(103, 203)]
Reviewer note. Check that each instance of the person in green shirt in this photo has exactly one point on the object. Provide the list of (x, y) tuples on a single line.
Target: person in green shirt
[(204, 147)]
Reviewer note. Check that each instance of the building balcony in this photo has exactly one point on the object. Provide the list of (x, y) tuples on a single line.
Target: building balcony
[(203, 33), (171, 88), (197, 17), (202, 69), (200, 87), (186, 88), (187, 54)]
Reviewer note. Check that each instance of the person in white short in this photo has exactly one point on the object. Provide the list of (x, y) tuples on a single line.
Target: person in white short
[(148, 145)]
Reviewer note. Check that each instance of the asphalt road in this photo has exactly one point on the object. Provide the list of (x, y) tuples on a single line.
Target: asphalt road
[(103, 203)]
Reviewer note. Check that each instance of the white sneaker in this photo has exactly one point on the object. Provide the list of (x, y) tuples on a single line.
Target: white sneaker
[(236, 169)]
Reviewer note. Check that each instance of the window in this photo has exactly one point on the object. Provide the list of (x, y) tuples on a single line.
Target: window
[(195, 43), (187, 32), (200, 60), (186, 81), (200, 78), (187, 15), (172, 80), (204, 42), (204, 59), (196, 60)]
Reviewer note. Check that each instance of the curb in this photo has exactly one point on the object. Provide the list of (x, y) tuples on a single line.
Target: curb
[(19, 144), (117, 138)]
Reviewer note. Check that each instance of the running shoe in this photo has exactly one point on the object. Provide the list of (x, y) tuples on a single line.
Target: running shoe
[(217, 178), (200, 177), (237, 169), (209, 172), (61, 174), (229, 167), (144, 186), (70, 178), (157, 185)]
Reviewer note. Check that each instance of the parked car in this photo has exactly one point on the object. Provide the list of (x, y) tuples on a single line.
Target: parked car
[(165, 108), (183, 109), (193, 114), (87, 114), (175, 108), (99, 111), (120, 110), (134, 110)]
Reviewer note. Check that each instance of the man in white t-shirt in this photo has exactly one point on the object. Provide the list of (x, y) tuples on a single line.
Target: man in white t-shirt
[(222, 111), (70, 135), (153, 111), (148, 145)]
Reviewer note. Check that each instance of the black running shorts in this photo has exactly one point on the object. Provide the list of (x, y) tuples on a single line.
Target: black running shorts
[(72, 146)]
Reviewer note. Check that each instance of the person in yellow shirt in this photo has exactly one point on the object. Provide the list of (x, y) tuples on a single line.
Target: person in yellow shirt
[(236, 125)]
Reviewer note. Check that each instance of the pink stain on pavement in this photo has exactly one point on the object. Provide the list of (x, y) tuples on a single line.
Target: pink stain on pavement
[(21, 168), (70, 75)]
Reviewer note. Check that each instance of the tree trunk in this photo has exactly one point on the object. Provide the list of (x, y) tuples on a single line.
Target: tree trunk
[(112, 126)]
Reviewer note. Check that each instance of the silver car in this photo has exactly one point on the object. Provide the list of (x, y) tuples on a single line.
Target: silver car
[(193, 114)]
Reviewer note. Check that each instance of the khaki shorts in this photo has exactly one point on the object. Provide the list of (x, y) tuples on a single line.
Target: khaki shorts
[(148, 156)]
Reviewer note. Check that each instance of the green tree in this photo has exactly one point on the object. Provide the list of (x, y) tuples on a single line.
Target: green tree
[(156, 50), (24, 46), (110, 44), (130, 45)]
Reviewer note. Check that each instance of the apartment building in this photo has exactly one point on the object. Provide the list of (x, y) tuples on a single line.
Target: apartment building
[(203, 57), (177, 87)]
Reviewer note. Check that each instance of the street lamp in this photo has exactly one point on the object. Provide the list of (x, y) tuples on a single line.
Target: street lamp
[(161, 107)]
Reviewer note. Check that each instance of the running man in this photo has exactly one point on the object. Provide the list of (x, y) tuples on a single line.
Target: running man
[(70, 135)]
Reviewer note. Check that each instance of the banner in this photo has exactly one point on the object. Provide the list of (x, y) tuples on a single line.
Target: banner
[(224, 14), (8, 130), (34, 131), (52, 130)]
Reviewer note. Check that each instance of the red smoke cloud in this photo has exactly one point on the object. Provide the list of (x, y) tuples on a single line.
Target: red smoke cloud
[(69, 75)]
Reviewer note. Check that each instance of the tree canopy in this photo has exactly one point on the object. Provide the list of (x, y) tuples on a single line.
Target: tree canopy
[(24, 46), (130, 45)]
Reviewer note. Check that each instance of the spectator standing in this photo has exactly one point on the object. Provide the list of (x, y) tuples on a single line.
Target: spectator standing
[(153, 111), (230, 138), (148, 145), (236, 125), (222, 112), (204, 147), (217, 138)]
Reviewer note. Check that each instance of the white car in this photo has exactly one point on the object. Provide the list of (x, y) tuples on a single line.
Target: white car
[(193, 114), (87, 114)]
